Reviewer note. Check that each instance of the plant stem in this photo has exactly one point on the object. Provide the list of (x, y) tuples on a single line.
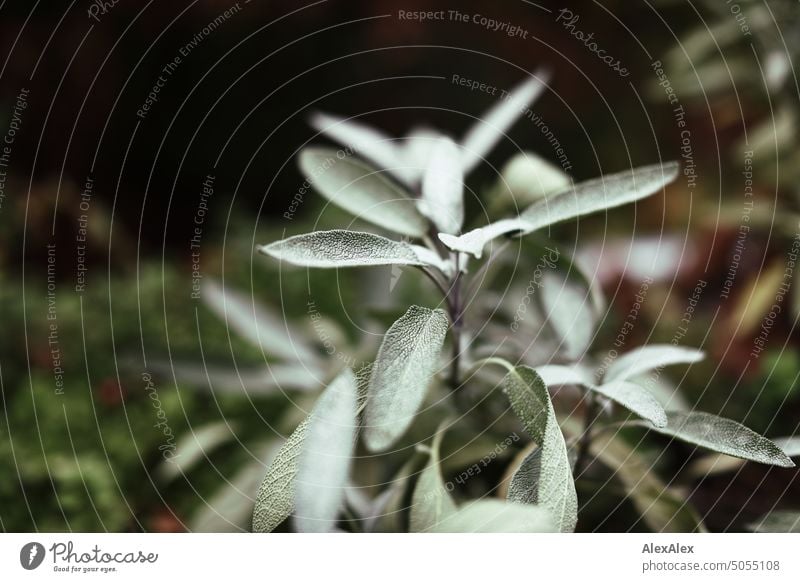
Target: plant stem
[(456, 315), (585, 441)]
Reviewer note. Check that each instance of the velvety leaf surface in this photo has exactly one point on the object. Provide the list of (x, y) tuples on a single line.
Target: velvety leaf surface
[(484, 135), (443, 188), (723, 436), (362, 191), (431, 503), (495, 516), (255, 323), (275, 498), (647, 358), (407, 360), (584, 198), (341, 248), (324, 462), (531, 403)]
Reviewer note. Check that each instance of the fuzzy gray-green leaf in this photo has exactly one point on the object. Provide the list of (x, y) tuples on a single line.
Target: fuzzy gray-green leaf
[(431, 503), (531, 403), (567, 305), (488, 131), (599, 194), (443, 188), (495, 516), (723, 436), (324, 462), (635, 398), (778, 522), (362, 190), (275, 499), (662, 508), (647, 358), (256, 323), (524, 485), (584, 198), (407, 361), (341, 248)]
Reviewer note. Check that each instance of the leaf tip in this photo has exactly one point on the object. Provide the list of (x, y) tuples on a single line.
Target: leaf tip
[(470, 242), (785, 462)]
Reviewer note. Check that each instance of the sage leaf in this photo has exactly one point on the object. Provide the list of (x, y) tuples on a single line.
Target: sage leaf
[(255, 323), (257, 382), (635, 398), (324, 462), (194, 448), (527, 178), (778, 522), (474, 241), (389, 508), (362, 191), (416, 149), (662, 508), (531, 403), (373, 145), (599, 194), (555, 375), (342, 248), (431, 503), (484, 135), (229, 509), (664, 391), (723, 436), (648, 358), (718, 464), (407, 361), (582, 199), (275, 498), (789, 445), (524, 485), (443, 188), (568, 308), (495, 516)]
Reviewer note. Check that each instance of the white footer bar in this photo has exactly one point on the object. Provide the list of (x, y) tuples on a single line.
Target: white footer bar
[(401, 557)]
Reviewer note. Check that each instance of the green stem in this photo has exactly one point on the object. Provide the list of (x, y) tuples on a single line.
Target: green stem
[(585, 441), (456, 315), (486, 361)]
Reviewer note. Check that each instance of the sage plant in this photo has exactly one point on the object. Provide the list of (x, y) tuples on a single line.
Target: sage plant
[(412, 190)]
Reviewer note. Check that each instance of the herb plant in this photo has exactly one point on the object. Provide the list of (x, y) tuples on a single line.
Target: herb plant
[(413, 191)]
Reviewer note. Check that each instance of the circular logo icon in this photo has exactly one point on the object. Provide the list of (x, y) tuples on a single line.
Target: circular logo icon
[(31, 555)]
